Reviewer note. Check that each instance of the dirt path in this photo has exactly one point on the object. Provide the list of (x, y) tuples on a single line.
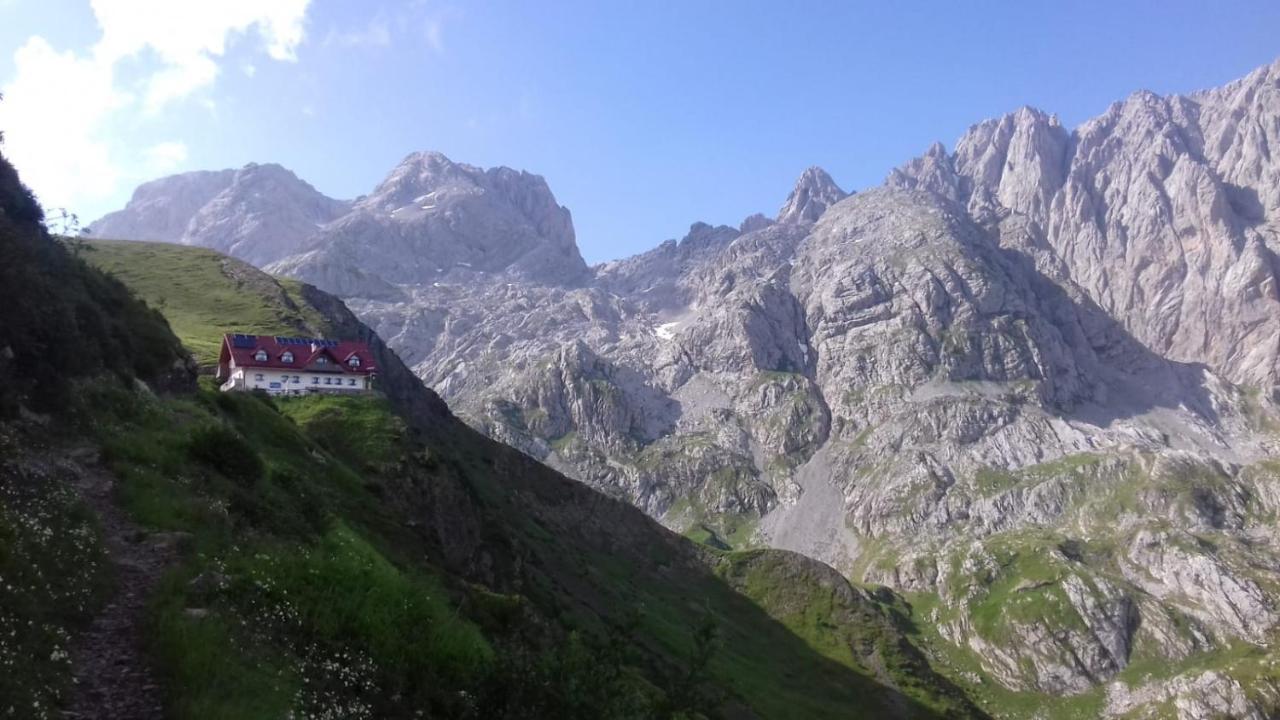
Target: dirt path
[(113, 678)]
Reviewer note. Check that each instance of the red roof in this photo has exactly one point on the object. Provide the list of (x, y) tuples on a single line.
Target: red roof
[(305, 351)]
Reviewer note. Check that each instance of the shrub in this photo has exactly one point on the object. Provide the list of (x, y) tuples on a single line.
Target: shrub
[(222, 449), (223, 401)]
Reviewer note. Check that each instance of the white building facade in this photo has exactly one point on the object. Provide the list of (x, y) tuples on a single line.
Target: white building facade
[(281, 365)]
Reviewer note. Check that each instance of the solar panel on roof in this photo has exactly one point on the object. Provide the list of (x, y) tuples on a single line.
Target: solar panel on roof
[(242, 341), (320, 342)]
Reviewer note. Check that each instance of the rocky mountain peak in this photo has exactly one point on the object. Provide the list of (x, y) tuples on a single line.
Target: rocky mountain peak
[(417, 176), (432, 220), (814, 192), (1018, 160), (932, 172), (431, 182), (266, 172), (658, 279), (271, 179), (702, 236), (258, 213), (160, 209), (266, 213), (1252, 88), (757, 221)]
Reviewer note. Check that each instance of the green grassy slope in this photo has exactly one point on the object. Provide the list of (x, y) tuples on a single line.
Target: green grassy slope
[(425, 576), (203, 293), (345, 557)]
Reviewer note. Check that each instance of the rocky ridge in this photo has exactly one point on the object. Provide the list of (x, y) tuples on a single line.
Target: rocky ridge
[(432, 219), (257, 213), (1163, 210)]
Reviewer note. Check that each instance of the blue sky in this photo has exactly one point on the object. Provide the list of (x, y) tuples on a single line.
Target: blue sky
[(643, 116)]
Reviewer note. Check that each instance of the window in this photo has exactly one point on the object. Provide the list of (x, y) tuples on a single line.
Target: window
[(352, 382), (327, 381), (260, 356), (258, 377), (354, 361), (296, 379), (315, 380), (322, 360), (287, 358)]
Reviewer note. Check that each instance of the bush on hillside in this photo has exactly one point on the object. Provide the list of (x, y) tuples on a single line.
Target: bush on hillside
[(222, 449)]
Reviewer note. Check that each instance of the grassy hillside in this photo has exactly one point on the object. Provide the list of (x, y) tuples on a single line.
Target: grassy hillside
[(203, 293), (394, 576), (374, 557)]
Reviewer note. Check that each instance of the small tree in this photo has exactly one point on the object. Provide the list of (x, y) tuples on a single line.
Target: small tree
[(62, 222), (694, 695), (65, 224)]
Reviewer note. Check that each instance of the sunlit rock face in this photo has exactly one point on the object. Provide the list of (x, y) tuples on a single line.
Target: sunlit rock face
[(432, 219), (259, 213), (1163, 210)]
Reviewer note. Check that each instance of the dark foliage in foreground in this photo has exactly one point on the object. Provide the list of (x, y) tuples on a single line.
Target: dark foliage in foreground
[(61, 319)]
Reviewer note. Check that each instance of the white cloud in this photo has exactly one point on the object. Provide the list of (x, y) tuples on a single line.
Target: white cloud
[(187, 36), (52, 115), (435, 34), (376, 34), (164, 157), (384, 28), (59, 106), (178, 81), (434, 22)]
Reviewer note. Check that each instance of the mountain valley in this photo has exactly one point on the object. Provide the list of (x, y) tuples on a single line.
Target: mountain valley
[(1025, 396)]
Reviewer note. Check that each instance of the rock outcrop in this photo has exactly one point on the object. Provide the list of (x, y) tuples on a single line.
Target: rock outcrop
[(814, 192)]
